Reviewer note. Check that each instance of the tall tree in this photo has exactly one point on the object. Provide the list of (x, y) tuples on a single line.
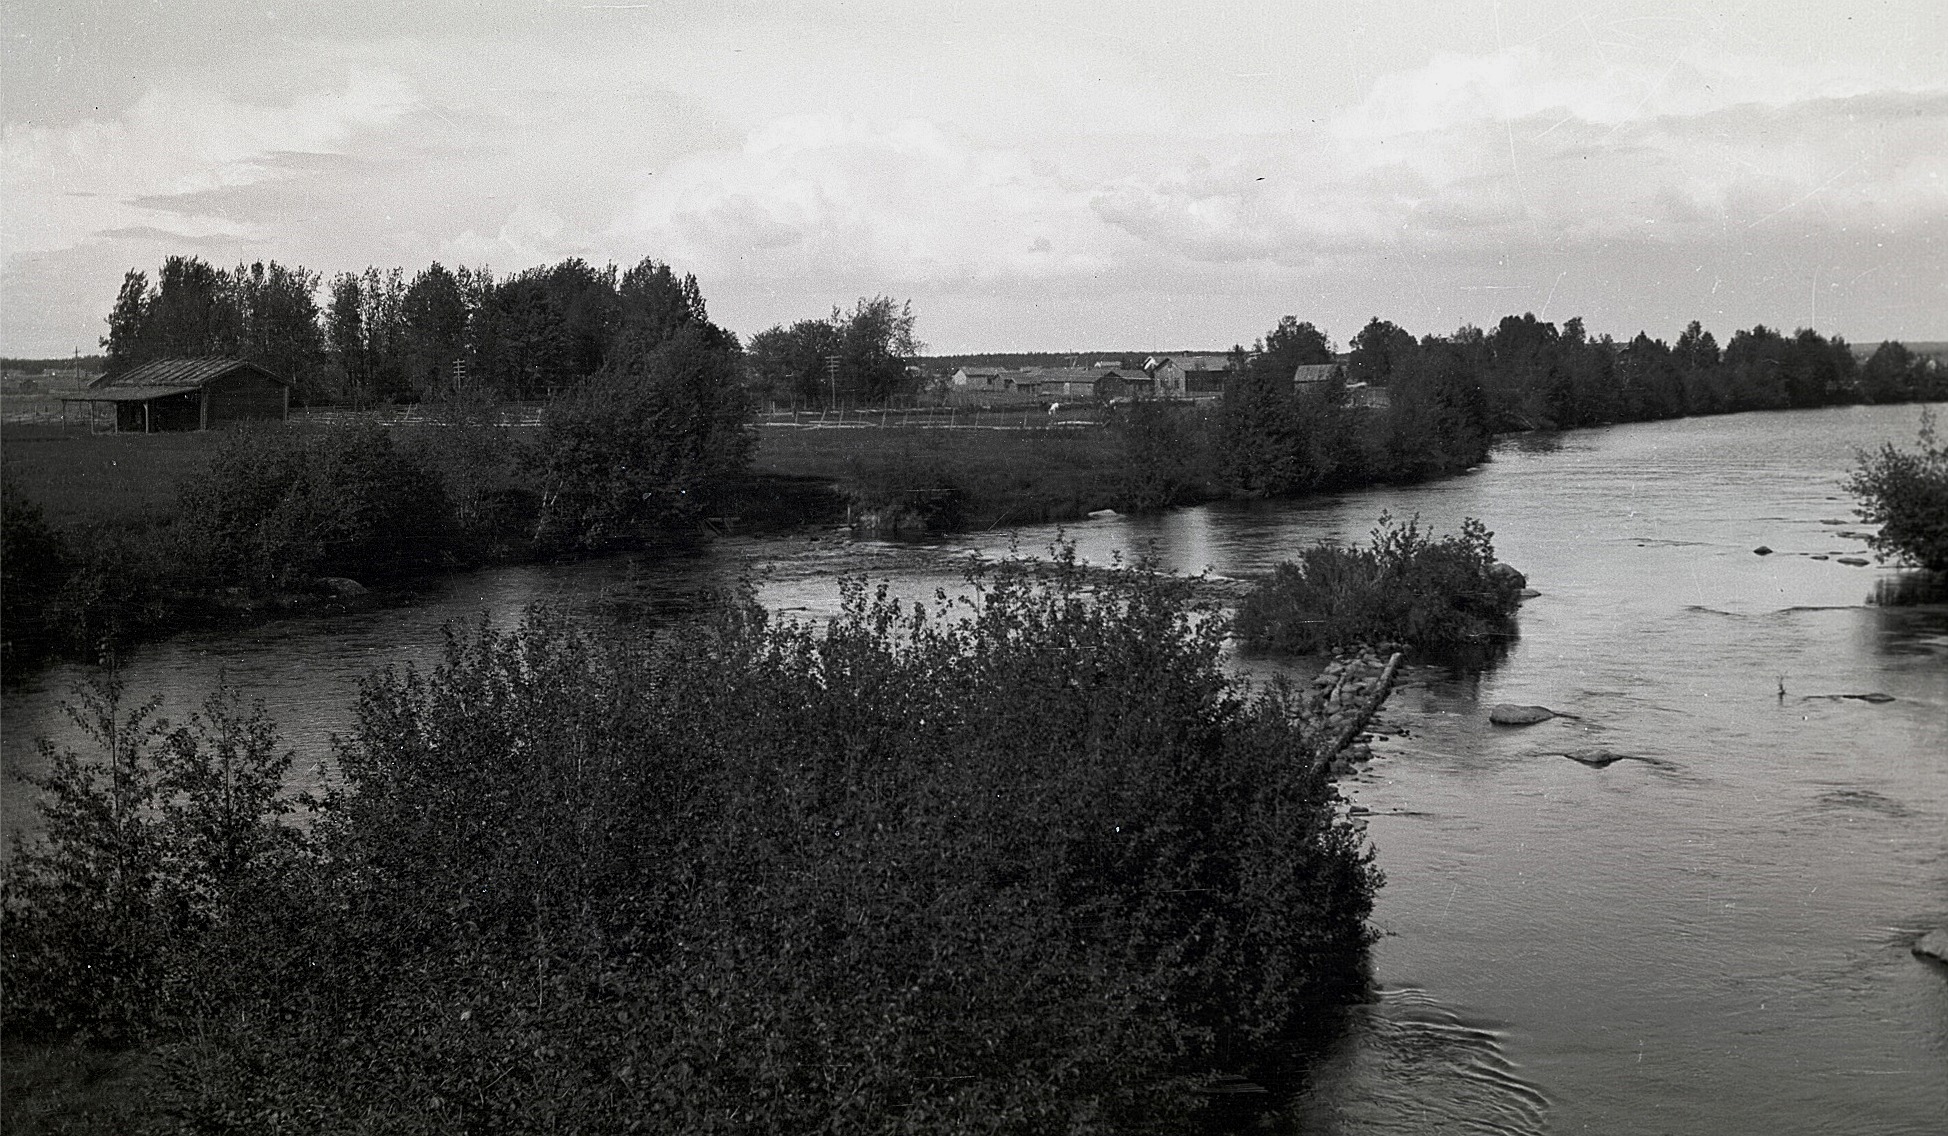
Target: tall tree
[(128, 323), (1378, 350), (433, 319)]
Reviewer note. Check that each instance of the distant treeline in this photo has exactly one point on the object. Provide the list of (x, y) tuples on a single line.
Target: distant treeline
[(86, 364), (384, 336)]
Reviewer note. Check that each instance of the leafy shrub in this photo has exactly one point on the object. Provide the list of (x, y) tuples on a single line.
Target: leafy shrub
[(1027, 862), (34, 563), (1905, 492), (276, 507), (1438, 595), (649, 443), (148, 843), (1164, 456)]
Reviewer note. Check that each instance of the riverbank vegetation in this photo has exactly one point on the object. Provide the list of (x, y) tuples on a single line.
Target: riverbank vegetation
[(1436, 595), (1027, 862), (1905, 492)]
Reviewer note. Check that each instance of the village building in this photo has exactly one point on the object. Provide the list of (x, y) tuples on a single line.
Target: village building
[(1188, 376), (980, 378), (1124, 383), (1309, 376), (1054, 384), (187, 394)]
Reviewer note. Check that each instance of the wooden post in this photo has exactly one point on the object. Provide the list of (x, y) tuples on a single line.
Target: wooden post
[(145, 416)]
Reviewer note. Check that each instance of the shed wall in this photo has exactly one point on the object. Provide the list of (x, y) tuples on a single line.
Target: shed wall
[(242, 396)]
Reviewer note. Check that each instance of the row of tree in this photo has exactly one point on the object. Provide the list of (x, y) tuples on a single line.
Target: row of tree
[(1446, 396), (382, 335), (1538, 376)]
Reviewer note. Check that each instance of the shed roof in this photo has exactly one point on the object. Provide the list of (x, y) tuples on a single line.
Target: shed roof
[(1314, 372), (142, 393), (178, 374)]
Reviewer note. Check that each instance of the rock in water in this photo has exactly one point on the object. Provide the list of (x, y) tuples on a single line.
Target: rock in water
[(1871, 696), (1854, 561), (1762, 550), (1509, 714), (1933, 945)]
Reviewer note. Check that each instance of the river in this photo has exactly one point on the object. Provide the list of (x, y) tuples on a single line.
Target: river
[(1709, 935)]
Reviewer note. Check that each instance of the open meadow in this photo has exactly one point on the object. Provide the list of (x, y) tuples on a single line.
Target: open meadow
[(77, 477)]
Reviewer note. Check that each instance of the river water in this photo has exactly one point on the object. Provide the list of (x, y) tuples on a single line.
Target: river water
[(1710, 934)]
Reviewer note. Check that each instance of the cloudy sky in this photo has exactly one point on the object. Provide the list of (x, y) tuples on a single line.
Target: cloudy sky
[(1033, 175)]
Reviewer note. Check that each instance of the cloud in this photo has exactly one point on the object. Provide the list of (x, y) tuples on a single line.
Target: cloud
[(167, 160), (893, 202)]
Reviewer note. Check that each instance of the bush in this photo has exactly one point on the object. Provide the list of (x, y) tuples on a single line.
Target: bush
[(1905, 492), (34, 564), (646, 446), (149, 843), (1030, 862), (1437, 595), (276, 507)]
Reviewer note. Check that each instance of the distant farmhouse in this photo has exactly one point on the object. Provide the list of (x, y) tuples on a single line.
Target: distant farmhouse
[(1189, 376), (187, 394)]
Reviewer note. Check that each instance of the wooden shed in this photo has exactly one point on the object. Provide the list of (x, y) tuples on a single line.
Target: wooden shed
[(188, 394)]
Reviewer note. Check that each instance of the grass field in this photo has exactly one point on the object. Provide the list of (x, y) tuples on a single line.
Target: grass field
[(1001, 477), (78, 477)]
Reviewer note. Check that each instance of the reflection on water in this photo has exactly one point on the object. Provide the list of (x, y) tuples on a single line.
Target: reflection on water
[(1709, 933)]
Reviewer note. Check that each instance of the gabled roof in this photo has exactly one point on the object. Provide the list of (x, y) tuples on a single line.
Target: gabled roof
[(1204, 362), (1315, 372), (174, 376)]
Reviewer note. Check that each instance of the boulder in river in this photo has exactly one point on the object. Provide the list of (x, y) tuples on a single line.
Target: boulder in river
[(1762, 550), (1509, 714), (1504, 572), (1933, 945), (1855, 561), (1595, 758)]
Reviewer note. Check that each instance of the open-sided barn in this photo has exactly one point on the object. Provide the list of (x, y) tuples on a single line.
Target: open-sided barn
[(189, 394)]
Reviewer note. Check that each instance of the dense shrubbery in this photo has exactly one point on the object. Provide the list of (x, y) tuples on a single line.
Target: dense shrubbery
[(1032, 864), (277, 507), (1905, 492), (34, 563), (1406, 587)]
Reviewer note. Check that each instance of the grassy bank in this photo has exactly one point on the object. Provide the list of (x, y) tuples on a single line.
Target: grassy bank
[(945, 479)]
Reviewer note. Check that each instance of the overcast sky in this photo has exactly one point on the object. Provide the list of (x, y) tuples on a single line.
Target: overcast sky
[(1033, 175)]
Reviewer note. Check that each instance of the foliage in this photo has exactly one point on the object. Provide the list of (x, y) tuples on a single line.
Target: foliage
[(33, 567), (148, 843), (647, 445), (276, 507), (1439, 595), (1026, 862), (859, 356), (1905, 492), (265, 313), (1164, 457)]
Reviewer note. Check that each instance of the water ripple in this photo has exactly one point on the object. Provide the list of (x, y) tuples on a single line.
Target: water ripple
[(1411, 1064)]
